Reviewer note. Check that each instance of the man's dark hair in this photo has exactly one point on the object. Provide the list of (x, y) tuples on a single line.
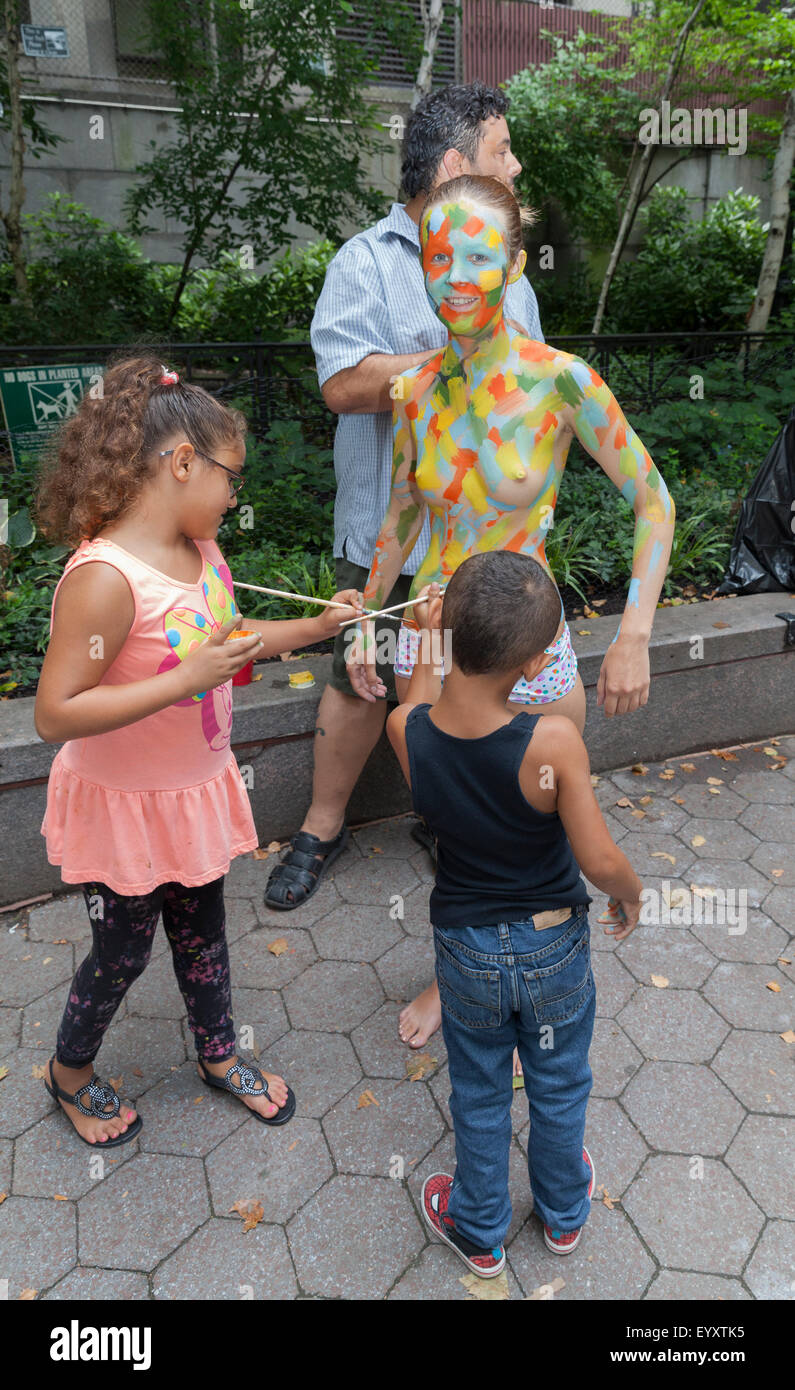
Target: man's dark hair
[(502, 609), (449, 119)]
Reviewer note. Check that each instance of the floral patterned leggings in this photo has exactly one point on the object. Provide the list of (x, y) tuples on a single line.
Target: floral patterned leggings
[(123, 930)]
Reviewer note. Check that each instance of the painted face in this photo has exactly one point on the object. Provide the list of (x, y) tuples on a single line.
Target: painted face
[(465, 262)]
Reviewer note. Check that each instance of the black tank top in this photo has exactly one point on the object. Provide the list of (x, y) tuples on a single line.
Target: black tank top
[(498, 858)]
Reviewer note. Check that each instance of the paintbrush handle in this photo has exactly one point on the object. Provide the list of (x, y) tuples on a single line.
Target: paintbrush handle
[(285, 593), (381, 612)]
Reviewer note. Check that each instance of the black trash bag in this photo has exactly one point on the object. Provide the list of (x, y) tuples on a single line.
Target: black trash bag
[(762, 556)]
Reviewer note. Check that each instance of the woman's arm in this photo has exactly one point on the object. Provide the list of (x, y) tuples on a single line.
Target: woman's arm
[(604, 431)]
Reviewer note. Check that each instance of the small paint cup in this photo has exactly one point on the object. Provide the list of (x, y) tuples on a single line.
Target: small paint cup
[(301, 680), (246, 673)]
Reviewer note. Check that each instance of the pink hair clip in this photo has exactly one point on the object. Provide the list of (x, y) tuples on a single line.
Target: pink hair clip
[(168, 378)]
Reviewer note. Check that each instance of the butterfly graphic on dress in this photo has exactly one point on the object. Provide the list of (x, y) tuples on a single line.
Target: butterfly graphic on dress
[(184, 628)]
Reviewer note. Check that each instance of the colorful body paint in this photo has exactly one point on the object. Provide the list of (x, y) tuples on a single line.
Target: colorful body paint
[(481, 432)]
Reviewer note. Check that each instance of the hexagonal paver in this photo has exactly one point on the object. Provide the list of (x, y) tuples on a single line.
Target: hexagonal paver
[(649, 783), (777, 861), (168, 1197), (673, 1025), (24, 1099), (356, 933), (704, 1223), (375, 882), (770, 822), (758, 1068), (674, 1284), (769, 787), (320, 1067), (680, 1108), (6, 1162), (155, 994), (64, 917), (422, 865), (713, 803), (153, 1046), (660, 816), (183, 1116), (323, 900), (762, 941), (609, 1261), (217, 1262), (722, 839), (640, 850), (333, 996), (740, 994), (404, 1122), (253, 966), (114, 1285), (440, 1088), (241, 918), (614, 984), (780, 905), (388, 1234), (280, 1168), (10, 1028), (437, 1277), (50, 1158), (669, 951), (41, 1019), (407, 969), (613, 1058), (29, 969), (769, 1271), (757, 1156), (381, 1051), (416, 911), (727, 874), (615, 1145), (260, 1018), (38, 1242), (391, 838), (442, 1159)]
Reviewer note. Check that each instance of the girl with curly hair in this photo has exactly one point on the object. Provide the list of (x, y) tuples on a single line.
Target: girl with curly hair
[(146, 806)]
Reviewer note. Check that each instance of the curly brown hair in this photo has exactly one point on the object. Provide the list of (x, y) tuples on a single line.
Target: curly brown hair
[(100, 459)]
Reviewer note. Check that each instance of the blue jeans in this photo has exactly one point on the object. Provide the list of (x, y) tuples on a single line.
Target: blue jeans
[(502, 987)]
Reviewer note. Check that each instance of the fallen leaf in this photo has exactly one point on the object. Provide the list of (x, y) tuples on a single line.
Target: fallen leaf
[(3, 1196), (290, 1147), (784, 960), (702, 892), (639, 769), (598, 602), (38, 1071), (645, 800), (667, 773), (720, 624), (419, 1065), (116, 1082), (60, 941), (609, 1201), (366, 1098), (625, 801), (376, 849), (547, 1291), (722, 753), (714, 791), (687, 767), (678, 800), (3, 1073), (589, 613), (137, 1071), (715, 781), (260, 854), (58, 1198), (774, 985), (486, 1289), (788, 1037), (197, 1100), (594, 779), (274, 846), (663, 854), (697, 840), (46, 960), (278, 948), (584, 631), (768, 1096), (640, 814), (27, 1294), (771, 752), (285, 656), (251, 1211), (660, 981)]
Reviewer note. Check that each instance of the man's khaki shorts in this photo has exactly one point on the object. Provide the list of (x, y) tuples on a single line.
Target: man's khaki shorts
[(350, 576)]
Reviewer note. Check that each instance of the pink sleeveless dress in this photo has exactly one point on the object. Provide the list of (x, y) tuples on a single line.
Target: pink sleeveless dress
[(161, 800)]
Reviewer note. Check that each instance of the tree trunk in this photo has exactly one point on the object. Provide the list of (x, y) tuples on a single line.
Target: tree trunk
[(779, 216), (12, 218), (432, 12), (635, 195)]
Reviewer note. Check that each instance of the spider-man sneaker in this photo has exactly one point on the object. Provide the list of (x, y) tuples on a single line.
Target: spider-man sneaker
[(563, 1242), (435, 1197)]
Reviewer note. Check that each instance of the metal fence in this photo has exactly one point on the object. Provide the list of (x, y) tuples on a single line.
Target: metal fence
[(274, 382)]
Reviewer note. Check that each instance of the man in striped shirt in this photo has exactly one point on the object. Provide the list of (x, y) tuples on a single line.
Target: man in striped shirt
[(372, 322)]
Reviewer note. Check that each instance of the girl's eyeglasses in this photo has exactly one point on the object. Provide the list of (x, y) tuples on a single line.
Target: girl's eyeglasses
[(235, 480)]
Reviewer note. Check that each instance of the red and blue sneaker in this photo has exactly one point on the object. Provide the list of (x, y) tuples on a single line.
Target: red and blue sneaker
[(563, 1242), (435, 1197)]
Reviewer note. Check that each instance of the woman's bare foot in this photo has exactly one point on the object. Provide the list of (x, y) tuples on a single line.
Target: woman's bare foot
[(70, 1079), (277, 1087), (421, 1018)]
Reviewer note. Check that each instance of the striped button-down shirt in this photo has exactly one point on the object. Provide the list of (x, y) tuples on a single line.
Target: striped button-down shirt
[(374, 300)]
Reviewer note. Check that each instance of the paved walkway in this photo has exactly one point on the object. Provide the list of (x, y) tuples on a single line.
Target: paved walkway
[(690, 1121)]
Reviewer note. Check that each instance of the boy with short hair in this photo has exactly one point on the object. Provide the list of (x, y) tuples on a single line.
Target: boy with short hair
[(509, 799)]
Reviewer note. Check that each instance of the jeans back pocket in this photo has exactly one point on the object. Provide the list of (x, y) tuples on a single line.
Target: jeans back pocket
[(559, 991), (471, 996)]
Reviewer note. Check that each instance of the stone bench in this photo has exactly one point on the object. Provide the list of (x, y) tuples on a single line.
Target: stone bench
[(722, 673)]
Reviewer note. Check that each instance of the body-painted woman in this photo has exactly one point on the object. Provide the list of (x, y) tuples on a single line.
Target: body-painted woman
[(481, 436)]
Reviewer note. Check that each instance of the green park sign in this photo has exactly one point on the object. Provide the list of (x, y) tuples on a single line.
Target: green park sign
[(36, 400)]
